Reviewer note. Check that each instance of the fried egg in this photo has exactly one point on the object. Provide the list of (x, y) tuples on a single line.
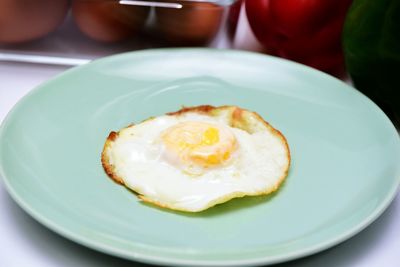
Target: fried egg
[(197, 157)]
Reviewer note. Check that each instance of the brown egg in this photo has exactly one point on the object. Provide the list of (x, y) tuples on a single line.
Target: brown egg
[(26, 20), (194, 24), (108, 21)]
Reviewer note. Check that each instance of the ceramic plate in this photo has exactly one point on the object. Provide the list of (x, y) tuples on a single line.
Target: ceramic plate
[(345, 157)]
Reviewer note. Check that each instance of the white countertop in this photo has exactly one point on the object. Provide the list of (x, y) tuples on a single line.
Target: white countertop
[(24, 242)]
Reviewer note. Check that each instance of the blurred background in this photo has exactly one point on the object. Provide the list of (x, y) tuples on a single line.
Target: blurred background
[(356, 40)]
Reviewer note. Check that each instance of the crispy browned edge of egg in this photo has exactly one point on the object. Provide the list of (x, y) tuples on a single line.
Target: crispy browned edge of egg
[(237, 121)]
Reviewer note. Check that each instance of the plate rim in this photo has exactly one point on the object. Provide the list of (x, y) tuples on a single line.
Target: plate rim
[(166, 260)]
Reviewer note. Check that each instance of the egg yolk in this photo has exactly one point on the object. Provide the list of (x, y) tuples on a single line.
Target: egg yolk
[(199, 143)]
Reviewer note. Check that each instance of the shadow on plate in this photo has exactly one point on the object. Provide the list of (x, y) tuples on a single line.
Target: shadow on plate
[(231, 206)]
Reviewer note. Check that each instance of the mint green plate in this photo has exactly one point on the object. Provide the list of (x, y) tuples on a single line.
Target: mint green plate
[(345, 157)]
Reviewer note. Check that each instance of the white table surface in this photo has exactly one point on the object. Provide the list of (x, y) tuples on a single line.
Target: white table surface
[(25, 242)]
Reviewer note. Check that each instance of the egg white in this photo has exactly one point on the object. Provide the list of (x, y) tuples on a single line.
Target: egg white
[(257, 166)]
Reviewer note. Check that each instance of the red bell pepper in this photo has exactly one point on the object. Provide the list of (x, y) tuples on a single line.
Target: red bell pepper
[(306, 31)]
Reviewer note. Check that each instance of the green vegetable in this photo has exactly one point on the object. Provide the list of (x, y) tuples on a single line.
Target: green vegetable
[(371, 41)]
